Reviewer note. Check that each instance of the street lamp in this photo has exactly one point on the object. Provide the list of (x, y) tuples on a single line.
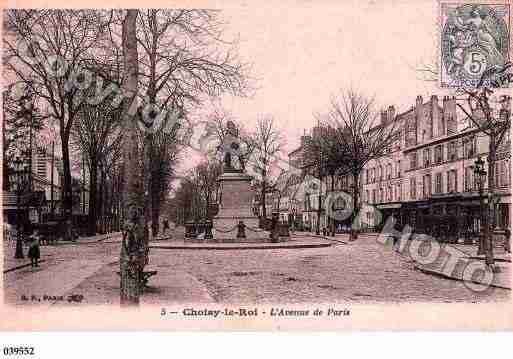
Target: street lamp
[(480, 176), (20, 174)]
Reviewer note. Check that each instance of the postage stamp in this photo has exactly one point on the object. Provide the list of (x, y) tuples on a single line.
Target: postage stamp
[(474, 41)]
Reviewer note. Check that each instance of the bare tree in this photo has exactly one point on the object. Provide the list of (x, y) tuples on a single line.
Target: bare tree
[(47, 50), (162, 152), (326, 155), (183, 58), (20, 126), (95, 134), (496, 125), (267, 143), (207, 173), (132, 257), (360, 138)]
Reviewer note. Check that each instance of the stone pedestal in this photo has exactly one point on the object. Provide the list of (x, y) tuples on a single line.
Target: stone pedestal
[(236, 205)]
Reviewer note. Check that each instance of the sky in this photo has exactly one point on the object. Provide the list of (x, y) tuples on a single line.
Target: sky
[(304, 54)]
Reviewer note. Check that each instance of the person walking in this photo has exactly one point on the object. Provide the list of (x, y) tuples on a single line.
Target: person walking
[(166, 226), (34, 252)]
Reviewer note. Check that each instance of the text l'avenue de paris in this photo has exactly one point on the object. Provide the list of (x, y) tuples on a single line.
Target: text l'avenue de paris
[(190, 312)]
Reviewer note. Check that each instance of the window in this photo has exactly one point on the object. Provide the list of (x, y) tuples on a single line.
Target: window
[(413, 160), (390, 194), (381, 173), (506, 174), (399, 192), (451, 151), (427, 186), (427, 157), (452, 183), (374, 195), (398, 168), (413, 188), (438, 154), (438, 183), (468, 179), (469, 147), (503, 174), (497, 175), (389, 171), (367, 176), (380, 195), (367, 198)]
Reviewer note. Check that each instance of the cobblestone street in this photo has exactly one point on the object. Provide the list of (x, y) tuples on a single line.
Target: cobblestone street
[(361, 271)]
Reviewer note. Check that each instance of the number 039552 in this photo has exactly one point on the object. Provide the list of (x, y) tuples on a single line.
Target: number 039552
[(18, 350)]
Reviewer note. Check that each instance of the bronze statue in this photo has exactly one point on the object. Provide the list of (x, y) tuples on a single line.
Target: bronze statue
[(231, 147)]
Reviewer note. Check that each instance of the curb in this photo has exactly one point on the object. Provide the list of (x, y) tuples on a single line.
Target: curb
[(506, 260), (21, 266), (280, 246), (78, 242), (442, 275)]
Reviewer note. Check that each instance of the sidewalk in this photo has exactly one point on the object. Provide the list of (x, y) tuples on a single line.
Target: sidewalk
[(9, 248), (305, 242), (52, 284), (168, 286), (457, 262), (91, 239)]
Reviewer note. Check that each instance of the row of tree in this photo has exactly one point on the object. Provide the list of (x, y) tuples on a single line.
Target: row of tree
[(68, 61)]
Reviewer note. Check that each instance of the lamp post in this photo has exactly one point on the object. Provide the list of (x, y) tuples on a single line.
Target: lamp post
[(20, 173), (480, 176)]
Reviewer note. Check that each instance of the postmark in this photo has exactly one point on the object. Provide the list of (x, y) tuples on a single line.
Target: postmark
[(474, 40)]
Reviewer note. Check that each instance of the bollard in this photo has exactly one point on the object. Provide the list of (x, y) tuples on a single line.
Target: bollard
[(208, 230), (241, 230)]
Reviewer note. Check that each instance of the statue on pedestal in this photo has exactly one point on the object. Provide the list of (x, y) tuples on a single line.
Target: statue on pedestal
[(231, 149)]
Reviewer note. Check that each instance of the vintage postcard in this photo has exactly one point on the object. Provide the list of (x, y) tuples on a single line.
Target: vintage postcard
[(245, 165)]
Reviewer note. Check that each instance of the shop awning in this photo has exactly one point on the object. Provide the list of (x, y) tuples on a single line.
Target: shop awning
[(389, 206)]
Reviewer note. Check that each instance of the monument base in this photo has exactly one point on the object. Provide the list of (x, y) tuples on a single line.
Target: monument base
[(236, 206)]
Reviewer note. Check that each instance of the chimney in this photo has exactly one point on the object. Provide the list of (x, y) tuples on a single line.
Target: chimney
[(316, 132), (419, 100), (436, 126), (391, 113), (449, 113)]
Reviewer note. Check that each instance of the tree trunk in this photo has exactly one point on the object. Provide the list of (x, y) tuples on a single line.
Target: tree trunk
[(93, 186), (332, 220), (354, 225), (489, 206), (67, 201), (319, 209), (132, 249), (264, 212), (101, 201)]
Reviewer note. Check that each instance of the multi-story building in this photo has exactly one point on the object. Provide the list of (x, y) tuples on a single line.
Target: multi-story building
[(46, 191), (431, 175), (427, 174)]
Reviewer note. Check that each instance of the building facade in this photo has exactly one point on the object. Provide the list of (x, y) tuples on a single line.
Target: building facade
[(430, 178), (426, 177)]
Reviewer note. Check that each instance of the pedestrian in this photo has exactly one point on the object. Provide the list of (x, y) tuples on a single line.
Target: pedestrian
[(34, 252), (507, 240), (166, 225)]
